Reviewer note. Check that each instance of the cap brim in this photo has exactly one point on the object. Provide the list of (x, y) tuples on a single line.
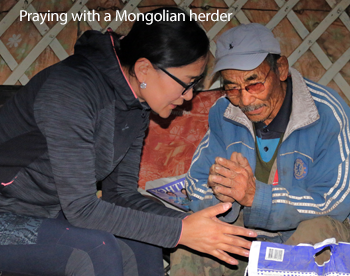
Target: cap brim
[(239, 62)]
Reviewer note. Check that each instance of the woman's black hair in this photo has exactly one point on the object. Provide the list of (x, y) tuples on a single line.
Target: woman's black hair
[(164, 43)]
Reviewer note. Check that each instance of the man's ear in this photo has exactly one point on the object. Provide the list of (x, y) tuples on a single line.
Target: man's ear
[(142, 68), (283, 68)]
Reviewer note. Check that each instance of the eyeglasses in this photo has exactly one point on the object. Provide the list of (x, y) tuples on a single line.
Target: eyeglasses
[(184, 85), (253, 88)]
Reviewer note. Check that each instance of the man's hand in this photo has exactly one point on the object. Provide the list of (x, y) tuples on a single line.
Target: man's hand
[(232, 180), (204, 232)]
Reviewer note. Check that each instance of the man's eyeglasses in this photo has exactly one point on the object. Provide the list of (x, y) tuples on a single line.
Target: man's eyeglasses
[(232, 91), (184, 85)]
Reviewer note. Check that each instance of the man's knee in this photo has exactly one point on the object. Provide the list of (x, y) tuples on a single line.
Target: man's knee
[(318, 229), (187, 262)]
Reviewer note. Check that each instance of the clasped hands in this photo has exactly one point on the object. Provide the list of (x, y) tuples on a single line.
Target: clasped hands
[(232, 180)]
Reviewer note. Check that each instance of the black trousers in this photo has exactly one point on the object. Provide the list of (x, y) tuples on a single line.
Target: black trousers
[(55, 247)]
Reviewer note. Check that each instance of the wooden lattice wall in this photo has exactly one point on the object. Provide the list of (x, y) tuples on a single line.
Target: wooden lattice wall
[(314, 34)]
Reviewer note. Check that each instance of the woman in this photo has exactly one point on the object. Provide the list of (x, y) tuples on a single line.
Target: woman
[(81, 121)]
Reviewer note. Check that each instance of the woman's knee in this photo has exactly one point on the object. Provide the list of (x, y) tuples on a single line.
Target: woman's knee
[(100, 253)]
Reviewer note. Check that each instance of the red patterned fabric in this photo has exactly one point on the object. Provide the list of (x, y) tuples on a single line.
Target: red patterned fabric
[(171, 142)]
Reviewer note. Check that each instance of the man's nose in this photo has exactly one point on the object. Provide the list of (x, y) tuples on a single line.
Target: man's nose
[(246, 98)]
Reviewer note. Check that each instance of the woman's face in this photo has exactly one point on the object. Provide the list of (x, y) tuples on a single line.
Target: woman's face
[(163, 93)]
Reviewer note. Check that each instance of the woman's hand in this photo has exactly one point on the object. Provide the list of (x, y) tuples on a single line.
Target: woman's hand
[(204, 232)]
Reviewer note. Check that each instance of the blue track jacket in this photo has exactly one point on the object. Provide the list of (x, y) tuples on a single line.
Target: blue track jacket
[(312, 162)]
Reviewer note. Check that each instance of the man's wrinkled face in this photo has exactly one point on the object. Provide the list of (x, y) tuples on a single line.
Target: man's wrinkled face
[(259, 93)]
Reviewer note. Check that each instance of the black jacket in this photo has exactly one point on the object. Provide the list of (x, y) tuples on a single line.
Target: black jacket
[(76, 123)]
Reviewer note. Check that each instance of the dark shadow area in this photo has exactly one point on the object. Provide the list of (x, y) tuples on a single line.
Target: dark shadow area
[(6, 92), (179, 111), (323, 256), (165, 122)]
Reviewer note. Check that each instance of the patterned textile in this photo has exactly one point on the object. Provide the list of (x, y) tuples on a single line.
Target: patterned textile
[(17, 229), (171, 143)]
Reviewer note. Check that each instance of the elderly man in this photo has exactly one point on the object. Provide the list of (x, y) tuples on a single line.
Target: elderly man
[(277, 147)]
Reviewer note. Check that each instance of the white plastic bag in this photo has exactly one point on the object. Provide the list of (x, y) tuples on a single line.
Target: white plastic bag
[(271, 259)]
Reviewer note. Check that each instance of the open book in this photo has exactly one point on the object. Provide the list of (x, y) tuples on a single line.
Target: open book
[(173, 193)]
